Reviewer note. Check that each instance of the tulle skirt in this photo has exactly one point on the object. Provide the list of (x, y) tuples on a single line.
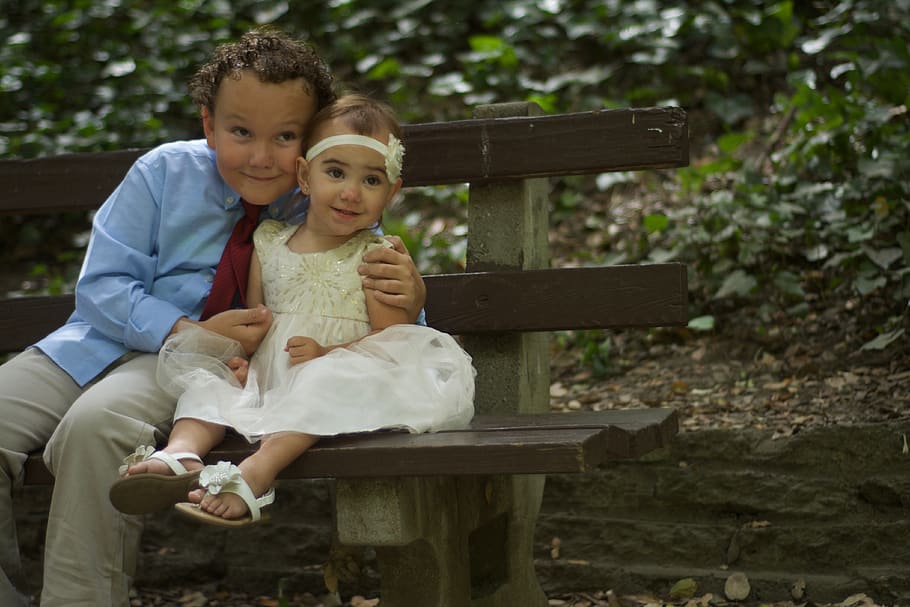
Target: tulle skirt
[(407, 376)]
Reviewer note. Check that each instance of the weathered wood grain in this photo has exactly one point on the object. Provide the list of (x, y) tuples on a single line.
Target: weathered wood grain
[(461, 151)]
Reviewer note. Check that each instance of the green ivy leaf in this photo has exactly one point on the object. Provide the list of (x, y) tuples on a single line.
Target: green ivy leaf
[(865, 285), (860, 234), (883, 341), (738, 283), (789, 283), (701, 323), (903, 239), (655, 222), (883, 258)]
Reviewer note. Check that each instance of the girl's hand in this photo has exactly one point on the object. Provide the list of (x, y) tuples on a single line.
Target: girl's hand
[(301, 349), (394, 278), (240, 367)]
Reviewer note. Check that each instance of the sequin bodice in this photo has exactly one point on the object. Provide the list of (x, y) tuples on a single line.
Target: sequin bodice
[(325, 283)]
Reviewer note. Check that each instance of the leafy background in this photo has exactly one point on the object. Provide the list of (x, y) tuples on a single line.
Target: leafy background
[(798, 193)]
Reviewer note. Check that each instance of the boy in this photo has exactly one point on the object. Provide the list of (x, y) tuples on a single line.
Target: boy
[(88, 390)]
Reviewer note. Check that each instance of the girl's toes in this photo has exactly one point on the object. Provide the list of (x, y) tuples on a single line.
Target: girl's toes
[(148, 466), (140, 468)]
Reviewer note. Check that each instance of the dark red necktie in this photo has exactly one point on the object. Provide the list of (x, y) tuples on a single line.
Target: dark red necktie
[(234, 268)]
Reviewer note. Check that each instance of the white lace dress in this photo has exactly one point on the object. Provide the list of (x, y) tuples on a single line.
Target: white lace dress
[(406, 376)]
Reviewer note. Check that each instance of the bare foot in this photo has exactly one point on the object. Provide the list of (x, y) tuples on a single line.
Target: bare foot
[(240, 367)]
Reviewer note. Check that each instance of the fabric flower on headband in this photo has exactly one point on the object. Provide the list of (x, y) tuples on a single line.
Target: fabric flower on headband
[(394, 158), (393, 152)]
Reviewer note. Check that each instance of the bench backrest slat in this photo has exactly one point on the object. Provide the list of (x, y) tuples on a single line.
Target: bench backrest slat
[(477, 151), (499, 152), (550, 300), (485, 302)]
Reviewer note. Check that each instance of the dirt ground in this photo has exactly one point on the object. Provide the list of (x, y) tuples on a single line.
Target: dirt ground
[(196, 598), (784, 375)]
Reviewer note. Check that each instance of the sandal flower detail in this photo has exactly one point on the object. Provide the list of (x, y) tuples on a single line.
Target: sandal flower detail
[(215, 478), (225, 477), (141, 454)]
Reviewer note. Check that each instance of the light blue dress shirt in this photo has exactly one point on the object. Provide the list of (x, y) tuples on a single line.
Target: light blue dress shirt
[(154, 248)]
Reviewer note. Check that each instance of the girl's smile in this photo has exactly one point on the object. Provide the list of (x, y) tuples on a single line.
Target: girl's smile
[(348, 188)]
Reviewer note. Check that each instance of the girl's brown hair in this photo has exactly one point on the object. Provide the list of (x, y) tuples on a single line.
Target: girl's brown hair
[(362, 114)]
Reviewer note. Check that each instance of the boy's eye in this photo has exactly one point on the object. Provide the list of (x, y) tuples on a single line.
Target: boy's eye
[(287, 137), (239, 131)]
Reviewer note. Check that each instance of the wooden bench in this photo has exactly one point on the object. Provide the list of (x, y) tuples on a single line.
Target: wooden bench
[(452, 515)]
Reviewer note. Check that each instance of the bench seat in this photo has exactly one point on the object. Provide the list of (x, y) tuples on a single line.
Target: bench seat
[(543, 443)]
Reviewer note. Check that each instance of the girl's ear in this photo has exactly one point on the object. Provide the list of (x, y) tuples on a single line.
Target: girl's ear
[(303, 174), (208, 125), (396, 187)]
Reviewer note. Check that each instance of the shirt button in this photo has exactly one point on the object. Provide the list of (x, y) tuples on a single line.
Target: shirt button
[(229, 199)]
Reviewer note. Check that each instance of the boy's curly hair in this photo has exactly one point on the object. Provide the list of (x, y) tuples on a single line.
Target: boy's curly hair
[(273, 56)]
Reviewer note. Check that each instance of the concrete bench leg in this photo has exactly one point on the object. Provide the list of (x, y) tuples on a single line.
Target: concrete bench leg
[(451, 542)]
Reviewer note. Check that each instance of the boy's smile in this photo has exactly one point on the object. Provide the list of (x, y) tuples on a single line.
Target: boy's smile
[(256, 130)]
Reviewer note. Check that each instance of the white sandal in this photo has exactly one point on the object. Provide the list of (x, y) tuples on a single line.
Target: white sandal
[(225, 477), (149, 492)]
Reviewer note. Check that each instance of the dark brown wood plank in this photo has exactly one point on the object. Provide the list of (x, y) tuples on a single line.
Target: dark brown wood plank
[(69, 182), (552, 443), (483, 302), (556, 299), (25, 320), (579, 143), (522, 451), (631, 433), (461, 151)]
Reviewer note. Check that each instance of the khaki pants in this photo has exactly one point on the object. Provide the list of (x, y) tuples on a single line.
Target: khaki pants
[(90, 549)]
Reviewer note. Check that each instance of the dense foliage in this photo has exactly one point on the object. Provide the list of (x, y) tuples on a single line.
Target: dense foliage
[(799, 188)]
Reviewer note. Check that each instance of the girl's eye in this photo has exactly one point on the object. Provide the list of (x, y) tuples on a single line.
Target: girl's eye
[(335, 173), (373, 180)]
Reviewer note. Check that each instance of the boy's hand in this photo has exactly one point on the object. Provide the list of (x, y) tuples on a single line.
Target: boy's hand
[(302, 349), (246, 326), (394, 277)]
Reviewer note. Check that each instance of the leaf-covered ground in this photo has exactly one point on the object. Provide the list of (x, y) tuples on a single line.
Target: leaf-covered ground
[(784, 374), (786, 377), (599, 598)]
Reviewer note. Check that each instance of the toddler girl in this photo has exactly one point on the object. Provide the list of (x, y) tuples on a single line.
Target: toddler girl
[(335, 360)]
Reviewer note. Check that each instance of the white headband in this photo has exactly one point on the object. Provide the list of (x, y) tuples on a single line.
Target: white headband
[(393, 153)]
